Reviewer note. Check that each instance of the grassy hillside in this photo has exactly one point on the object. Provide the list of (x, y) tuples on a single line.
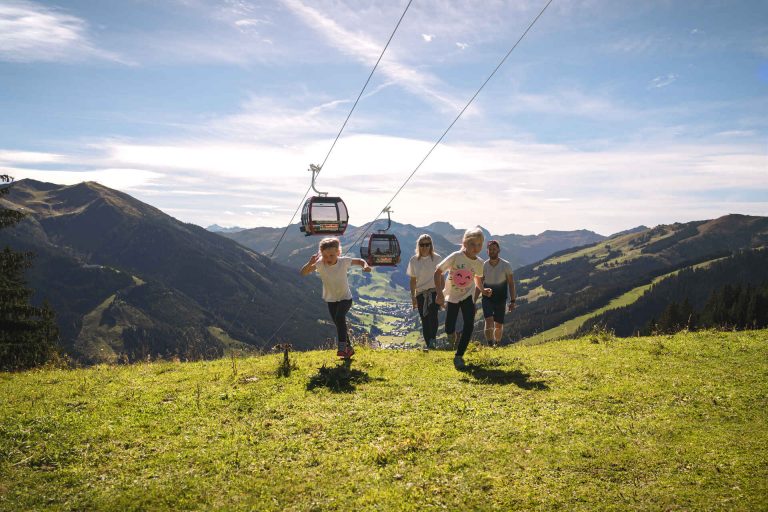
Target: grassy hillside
[(573, 325), (662, 423)]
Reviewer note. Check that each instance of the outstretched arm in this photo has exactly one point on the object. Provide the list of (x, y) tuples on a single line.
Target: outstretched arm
[(310, 267), (361, 263)]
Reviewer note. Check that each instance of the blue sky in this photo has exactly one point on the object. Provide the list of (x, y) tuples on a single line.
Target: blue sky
[(609, 114)]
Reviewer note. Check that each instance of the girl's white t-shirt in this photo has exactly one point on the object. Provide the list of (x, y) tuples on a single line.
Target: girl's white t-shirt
[(461, 276), (334, 278), (424, 271)]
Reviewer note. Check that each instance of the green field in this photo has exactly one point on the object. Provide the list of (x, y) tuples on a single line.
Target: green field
[(660, 423)]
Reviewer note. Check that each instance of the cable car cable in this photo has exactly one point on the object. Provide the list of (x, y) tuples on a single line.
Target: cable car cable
[(301, 201), (454, 121), (344, 124), (369, 224)]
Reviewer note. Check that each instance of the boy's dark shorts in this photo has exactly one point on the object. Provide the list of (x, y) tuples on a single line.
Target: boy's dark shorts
[(495, 309)]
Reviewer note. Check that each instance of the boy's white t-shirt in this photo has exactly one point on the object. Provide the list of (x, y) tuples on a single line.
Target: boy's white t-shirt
[(496, 274), (334, 278), (461, 276), (424, 271)]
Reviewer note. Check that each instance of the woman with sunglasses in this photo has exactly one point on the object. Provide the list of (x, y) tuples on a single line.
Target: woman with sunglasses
[(421, 269)]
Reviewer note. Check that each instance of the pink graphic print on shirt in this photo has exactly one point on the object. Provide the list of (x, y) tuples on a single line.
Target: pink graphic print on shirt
[(461, 277)]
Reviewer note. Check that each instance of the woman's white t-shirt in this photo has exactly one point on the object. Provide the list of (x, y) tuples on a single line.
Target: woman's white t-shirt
[(461, 276), (424, 271), (334, 278)]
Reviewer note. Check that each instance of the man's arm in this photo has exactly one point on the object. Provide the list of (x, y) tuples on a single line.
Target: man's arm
[(512, 294)]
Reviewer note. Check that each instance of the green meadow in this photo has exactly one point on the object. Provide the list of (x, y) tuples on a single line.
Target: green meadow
[(597, 423)]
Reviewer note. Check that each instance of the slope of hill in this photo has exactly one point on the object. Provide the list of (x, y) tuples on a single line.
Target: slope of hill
[(95, 244), (660, 423), (695, 288), (578, 281)]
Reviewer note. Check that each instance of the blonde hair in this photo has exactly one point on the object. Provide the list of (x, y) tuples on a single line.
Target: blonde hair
[(472, 234), (431, 247), (327, 243)]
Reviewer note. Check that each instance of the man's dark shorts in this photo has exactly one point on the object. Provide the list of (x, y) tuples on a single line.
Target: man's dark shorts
[(495, 309)]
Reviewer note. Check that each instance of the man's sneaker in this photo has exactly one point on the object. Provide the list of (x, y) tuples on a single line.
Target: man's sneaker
[(348, 353), (458, 362), (341, 352)]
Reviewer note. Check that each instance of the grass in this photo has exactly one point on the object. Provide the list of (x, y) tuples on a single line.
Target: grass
[(660, 423)]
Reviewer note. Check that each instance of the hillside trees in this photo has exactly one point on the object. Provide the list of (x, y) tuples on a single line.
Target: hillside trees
[(28, 334)]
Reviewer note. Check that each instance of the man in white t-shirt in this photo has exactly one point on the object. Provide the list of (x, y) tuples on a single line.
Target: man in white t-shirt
[(497, 275)]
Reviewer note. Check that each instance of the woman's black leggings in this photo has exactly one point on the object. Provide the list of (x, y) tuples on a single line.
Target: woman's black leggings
[(467, 307), (429, 321), (339, 315)]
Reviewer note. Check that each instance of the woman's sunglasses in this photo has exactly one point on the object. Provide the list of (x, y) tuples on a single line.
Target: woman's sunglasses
[(427, 244)]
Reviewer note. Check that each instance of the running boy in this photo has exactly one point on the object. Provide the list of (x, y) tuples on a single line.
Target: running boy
[(333, 273), (465, 272)]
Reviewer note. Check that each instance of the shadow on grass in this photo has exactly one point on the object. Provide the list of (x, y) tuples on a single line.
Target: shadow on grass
[(483, 375), (339, 379)]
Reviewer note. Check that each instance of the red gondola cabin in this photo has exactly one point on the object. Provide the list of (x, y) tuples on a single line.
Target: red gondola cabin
[(323, 215)]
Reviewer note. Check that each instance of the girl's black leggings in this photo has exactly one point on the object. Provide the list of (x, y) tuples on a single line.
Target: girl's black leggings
[(428, 322), (338, 312), (467, 307)]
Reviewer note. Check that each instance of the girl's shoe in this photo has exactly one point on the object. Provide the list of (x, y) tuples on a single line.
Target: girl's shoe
[(346, 354), (458, 362)]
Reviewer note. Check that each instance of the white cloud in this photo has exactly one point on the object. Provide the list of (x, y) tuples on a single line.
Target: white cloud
[(516, 183), (428, 37), (662, 81), (367, 51), (30, 32), (462, 46), (28, 157)]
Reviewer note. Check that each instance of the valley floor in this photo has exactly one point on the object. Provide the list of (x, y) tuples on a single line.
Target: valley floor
[(659, 423)]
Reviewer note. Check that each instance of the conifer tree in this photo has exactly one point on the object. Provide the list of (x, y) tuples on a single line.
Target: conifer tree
[(28, 334)]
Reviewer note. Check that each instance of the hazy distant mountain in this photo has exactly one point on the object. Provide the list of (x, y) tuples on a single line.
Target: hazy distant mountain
[(518, 249), (124, 276), (215, 228), (576, 281)]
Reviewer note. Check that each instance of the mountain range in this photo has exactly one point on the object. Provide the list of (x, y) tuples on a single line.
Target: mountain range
[(127, 280)]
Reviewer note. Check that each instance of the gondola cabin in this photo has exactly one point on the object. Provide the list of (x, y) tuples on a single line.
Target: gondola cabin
[(324, 215), (381, 250)]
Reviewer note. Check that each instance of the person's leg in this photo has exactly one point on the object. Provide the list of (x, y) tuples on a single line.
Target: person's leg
[(332, 308), (432, 319), (488, 331), (423, 319), (468, 315), (451, 314), (339, 315), (498, 320), (488, 316)]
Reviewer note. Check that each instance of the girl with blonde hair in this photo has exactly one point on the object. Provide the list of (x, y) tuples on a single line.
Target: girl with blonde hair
[(421, 270), (332, 269), (465, 273)]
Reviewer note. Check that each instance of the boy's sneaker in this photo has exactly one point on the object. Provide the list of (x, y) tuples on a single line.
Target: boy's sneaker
[(458, 362), (341, 352), (348, 353)]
